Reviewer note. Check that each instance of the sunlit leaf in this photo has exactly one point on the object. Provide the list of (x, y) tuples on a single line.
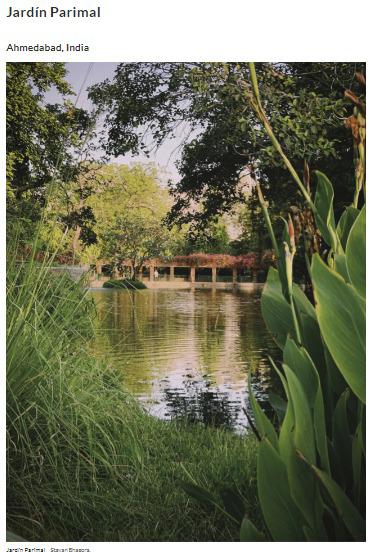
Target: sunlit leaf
[(345, 223), (341, 316), (356, 254), (324, 213)]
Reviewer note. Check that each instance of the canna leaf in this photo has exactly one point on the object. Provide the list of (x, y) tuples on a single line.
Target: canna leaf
[(249, 532), (324, 212), (295, 358), (340, 265), (281, 515), (345, 224), (12, 537), (347, 512), (357, 466), (279, 405), (303, 436), (356, 254), (304, 489), (341, 317), (263, 425), (287, 427), (276, 310), (341, 438)]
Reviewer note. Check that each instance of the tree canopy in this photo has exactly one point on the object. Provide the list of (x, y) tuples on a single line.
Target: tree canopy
[(146, 102), (45, 142)]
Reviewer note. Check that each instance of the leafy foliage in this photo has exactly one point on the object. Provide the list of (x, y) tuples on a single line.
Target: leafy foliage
[(145, 103), (321, 484), (311, 465), (41, 138), (250, 260), (124, 284)]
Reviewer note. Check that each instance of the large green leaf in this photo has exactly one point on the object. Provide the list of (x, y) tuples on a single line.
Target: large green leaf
[(302, 303), (340, 265), (249, 532), (304, 438), (304, 489), (287, 426), (263, 424), (312, 341), (345, 223), (347, 512), (278, 404), (336, 380), (324, 212), (299, 360), (12, 537), (276, 310), (358, 471), (281, 515), (356, 253), (341, 316), (341, 438)]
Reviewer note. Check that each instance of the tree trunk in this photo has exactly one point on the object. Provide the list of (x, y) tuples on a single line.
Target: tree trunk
[(75, 242)]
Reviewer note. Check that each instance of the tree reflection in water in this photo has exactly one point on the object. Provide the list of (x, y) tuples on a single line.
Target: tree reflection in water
[(186, 354), (197, 401)]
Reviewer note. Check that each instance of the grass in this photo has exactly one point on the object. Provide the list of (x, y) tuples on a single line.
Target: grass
[(84, 461), (124, 284)]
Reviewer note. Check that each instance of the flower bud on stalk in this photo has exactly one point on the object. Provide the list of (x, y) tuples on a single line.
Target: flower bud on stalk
[(290, 250), (292, 236), (288, 262)]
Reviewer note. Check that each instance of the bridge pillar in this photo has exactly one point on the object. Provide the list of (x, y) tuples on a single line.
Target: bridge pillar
[(171, 277), (234, 276), (192, 274), (151, 273), (254, 275), (213, 274)]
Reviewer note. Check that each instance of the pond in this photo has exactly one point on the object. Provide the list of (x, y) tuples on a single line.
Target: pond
[(187, 353)]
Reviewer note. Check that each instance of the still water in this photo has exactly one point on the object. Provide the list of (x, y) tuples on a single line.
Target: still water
[(187, 353)]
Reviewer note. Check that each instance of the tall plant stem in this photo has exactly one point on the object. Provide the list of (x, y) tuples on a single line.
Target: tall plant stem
[(258, 108), (267, 219)]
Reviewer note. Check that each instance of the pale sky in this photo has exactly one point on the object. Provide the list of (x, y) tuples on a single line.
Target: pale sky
[(83, 75)]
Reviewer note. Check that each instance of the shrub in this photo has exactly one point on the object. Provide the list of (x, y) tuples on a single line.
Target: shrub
[(124, 284)]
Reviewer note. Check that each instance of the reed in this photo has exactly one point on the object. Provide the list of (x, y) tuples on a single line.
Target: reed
[(84, 461)]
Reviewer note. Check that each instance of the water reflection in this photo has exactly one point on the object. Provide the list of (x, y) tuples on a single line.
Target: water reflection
[(186, 353)]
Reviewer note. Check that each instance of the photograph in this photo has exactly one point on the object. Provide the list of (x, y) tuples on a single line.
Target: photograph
[(185, 300)]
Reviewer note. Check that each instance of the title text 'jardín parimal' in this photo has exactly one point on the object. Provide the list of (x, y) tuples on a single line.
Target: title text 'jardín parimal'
[(53, 12)]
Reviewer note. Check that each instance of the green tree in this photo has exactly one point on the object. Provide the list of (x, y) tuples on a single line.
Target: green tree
[(304, 102), (86, 209), (136, 237), (213, 237), (44, 142)]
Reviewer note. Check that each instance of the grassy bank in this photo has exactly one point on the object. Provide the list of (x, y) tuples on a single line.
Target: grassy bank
[(84, 461)]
